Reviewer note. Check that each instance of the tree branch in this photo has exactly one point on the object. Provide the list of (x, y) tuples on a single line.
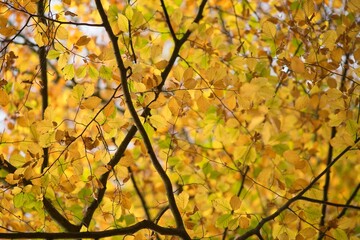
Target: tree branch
[(177, 47), (123, 73), (138, 192), (327, 179), (330, 153), (256, 230), (345, 206), (168, 22), (44, 79), (343, 211), (145, 224), (243, 177), (55, 214)]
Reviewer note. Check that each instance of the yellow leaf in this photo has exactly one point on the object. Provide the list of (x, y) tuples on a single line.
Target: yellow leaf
[(244, 222), (337, 54), (107, 53), (127, 161), (88, 89), (269, 29), (309, 8), (302, 102), (69, 72), (354, 6), (137, 19), (176, 17), (297, 65), (100, 171), (129, 12), (81, 71), (331, 82), (188, 74), (255, 121), (39, 39), (59, 135), (28, 173), (329, 39), (308, 232), (235, 202), (91, 103), (298, 185), (289, 218), (16, 190), (123, 23), (4, 98), (93, 72), (52, 54), (62, 33), (8, 31), (67, 186), (109, 109), (291, 155), (190, 83), (182, 200), (161, 64), (63, 60)]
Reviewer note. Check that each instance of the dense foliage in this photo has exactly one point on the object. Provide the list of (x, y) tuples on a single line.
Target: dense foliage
[(159, 119)]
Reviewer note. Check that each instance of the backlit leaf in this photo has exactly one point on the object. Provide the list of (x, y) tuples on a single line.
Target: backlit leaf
[(69, 71), (4, 98), (52, 54), (235, 202), (309, 8), (223, 220), (269, 29), (182, 200), (105, 72), (91, 102), (123, 23)]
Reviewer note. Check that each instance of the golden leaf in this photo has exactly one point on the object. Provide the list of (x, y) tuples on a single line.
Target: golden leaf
[(269, 29), (91, 102)]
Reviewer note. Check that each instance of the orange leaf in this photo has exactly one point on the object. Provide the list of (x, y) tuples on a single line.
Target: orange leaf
[(83, 40)]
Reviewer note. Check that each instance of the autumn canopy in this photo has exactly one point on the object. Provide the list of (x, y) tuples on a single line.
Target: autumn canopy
[(169, 119)]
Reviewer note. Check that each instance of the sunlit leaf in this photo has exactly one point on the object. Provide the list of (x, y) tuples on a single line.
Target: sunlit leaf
[(4, 98), (269, 29), (91, 102), (69, 71), (223, 220), (52, 54), (235, 202), (105, 72), (182, 200), (309, 7), (123, 23)]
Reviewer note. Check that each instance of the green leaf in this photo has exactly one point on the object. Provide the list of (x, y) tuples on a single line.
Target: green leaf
[(69, 72), (52, 54), (81, 72), (105, 73), (223, 220), (93, 72), (129, 219), (19, 200), (137, 19), (129, 12), (280, 148), (339, 234)]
